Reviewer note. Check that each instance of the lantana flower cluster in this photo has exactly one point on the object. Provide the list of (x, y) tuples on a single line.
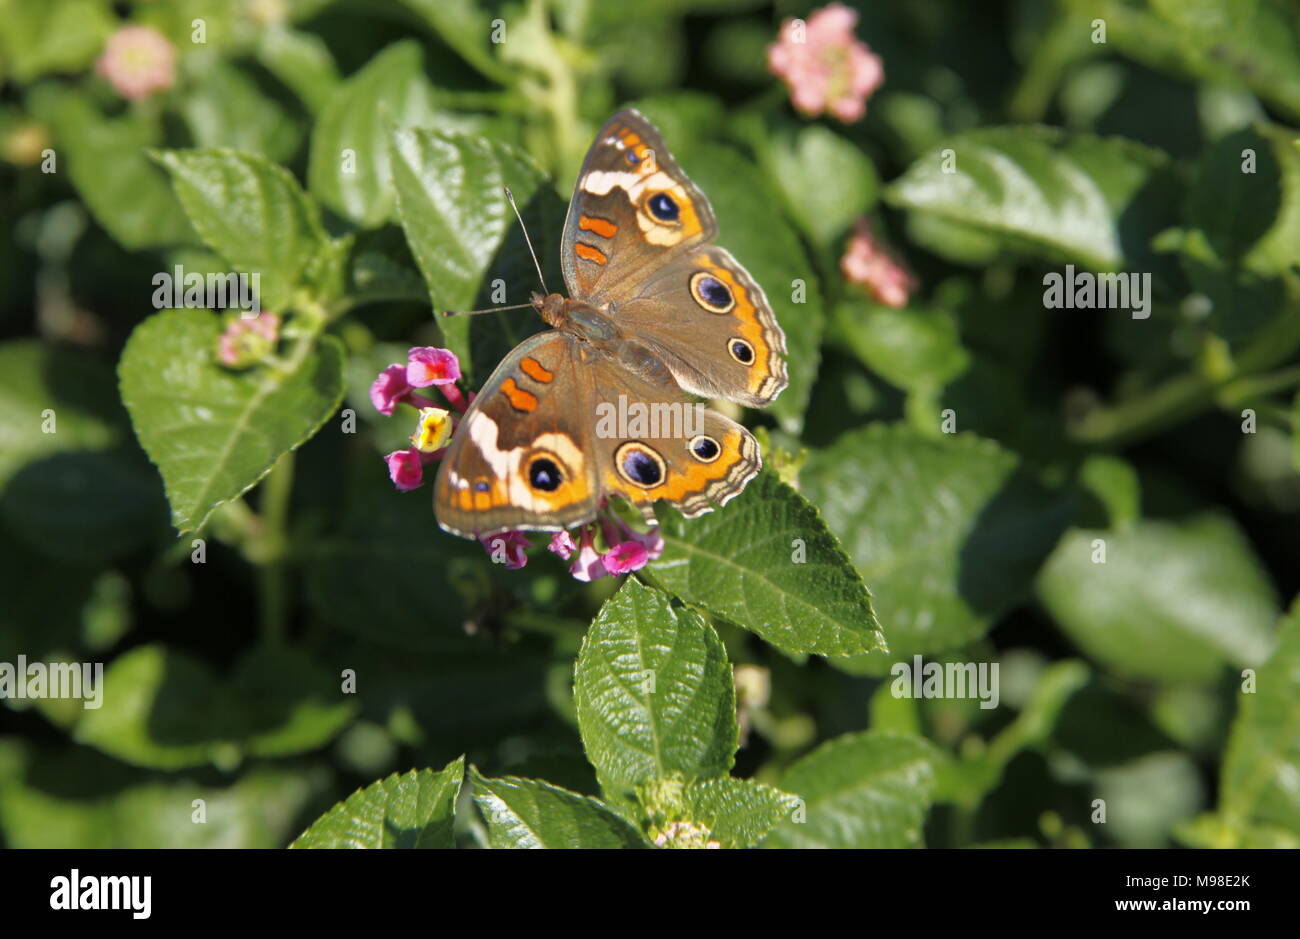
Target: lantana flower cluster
[(604, 547), (826, 67)]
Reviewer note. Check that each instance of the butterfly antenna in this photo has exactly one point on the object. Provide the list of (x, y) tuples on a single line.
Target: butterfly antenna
[(511, 198), (491, 309)]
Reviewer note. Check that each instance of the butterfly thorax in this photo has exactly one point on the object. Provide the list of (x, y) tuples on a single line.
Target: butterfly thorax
[(579, 319)]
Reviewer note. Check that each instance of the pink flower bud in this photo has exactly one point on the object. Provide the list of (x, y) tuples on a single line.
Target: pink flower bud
[(508, 544), (389, 389)]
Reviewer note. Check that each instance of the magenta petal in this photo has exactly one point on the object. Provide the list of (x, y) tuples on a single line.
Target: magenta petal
[(405, 469), (562, 544), (429, 365), (388, 389), (625, 557), (514, 543)]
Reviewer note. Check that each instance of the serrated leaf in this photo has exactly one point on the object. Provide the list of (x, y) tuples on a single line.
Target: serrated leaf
[(1263, 754), (767, 562), (947, 530), (1042, 191), (416, 809), (252, 213), (1173, 601), (864, 790), (738, 813), (214, 433), (528, 813), (350, 169), (654, 694)]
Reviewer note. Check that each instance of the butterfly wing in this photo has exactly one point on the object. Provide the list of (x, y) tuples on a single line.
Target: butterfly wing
[(521, 457), (707, 320), (632, 210), (637, 237), (559, 427)]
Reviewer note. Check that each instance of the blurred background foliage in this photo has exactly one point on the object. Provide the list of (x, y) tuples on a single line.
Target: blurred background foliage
[(1173, 439)]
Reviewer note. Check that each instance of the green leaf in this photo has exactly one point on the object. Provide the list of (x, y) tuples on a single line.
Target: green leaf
[(826, 181), (350, 170), (225, 108), (1173, 601), (467, 28), (53, 36), (414, 810), (1044, 192), (767, 562), (302, 61), (947, 530), (910, 349), (738, 813), (251, 212), (107, 163), (1243, 213), (162, 709), (654, 694), (72, 484), (1263, 754), (454, 213), (213, 433), (75, 798), (528, 813), (864, 790)]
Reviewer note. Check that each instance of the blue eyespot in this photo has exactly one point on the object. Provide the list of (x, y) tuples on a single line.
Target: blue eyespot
[(632, 157), (663, 207), (482, 486), (713, 292), (705, 448), (741, 351), (543, 474), (639, 465)]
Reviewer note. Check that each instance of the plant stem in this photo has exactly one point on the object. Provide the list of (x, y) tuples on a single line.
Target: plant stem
[(272, 570)]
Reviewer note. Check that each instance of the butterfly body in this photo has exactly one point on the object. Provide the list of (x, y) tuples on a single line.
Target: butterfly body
[(595, 406)]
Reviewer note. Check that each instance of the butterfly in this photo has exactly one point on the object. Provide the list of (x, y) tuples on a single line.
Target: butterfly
[(655, 311)]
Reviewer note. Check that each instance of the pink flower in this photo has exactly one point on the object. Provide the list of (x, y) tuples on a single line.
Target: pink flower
[(138, 61), (869, 262), (388, 389), (406, 469), (429, 365), (562, 544), (825, 66), (248, 340), (510, 545), (624, 557), (587, 563)]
